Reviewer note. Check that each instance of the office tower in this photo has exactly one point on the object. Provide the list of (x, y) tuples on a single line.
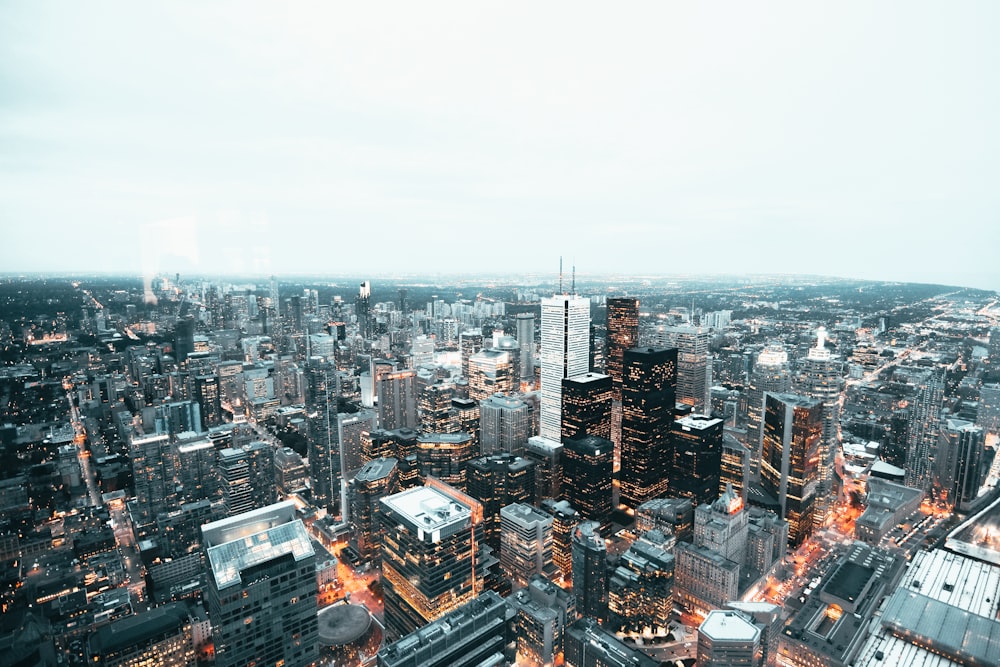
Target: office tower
[(564, 522), (649, 378), (206, 391), (961, 463), (246, 476), (821, 377), (547, 455), (669, 515), (351, 428), (586, 406), (321, 410), (422, 351), (641, 587), (589, 645), (988, 414), (290, 471), (505, 425), (727, 638), (693, 364), (397, 400), (435, 408), (476, 634), (160, 637), (403, 300), (449, 331), (497, 481), (183, 338), (153, 475), (430, 555), (925, 412), (793, 428), (565, 338), (544, 610), (770, 374), (734, 467), (491, 371), (525, 544), (196, 470), (262, 588), (994, 349), (526, 342), (465, 417), (622, 334), (768, 618), (376, 480), (445, 456), (362, 309), (590, 571), (722, 526), (696, 441), (469, 343), (703, 579), (587, 470)]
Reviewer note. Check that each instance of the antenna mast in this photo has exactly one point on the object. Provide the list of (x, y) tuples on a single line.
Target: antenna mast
[(560, 276)]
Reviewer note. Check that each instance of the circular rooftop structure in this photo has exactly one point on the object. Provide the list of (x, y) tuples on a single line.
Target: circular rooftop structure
[(342, 624)]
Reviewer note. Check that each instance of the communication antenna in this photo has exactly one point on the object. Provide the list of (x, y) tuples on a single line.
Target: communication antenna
[(560, 276), (573, 288)]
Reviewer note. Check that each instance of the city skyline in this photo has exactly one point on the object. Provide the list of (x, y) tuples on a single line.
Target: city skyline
[(227, 140)]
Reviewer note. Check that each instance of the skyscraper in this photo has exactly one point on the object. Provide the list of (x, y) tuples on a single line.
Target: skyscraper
[(770, 374), (622, 334), (497, 481), (925, 413), (565, 341), (321, 410), (397, 400), (961, 463), (648, 386), (587, 470), (262, 588), (362, 309), (491, 371), (526, 342), (525, 544), (207, 392), (505, 425), (734, 466), (430, 555), (153, 474), (376, 480), (586, 405), (821, 377), (183, 338), (590, 571), (696, 448), (469, 342), (693, 364), (793, 428)]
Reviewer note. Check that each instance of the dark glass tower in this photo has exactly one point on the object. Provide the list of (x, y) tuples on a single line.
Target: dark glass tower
[(586, 406), (697, 458), (649, 385), (497, 481), (587, 471), (590, 571)]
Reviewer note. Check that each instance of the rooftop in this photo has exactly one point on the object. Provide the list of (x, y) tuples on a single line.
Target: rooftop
[(722, 625), (138, 628), (697, 422), (376, 469), (230, 559), (341, 624), (427, 508)]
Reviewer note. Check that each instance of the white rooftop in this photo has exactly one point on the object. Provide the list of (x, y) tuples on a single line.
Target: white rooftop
[(723, 625), (428, 508)]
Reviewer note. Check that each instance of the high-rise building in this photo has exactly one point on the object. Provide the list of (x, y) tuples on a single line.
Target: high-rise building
[(669, 515), (727, 638), (262, 588), (793, 428), (153, 474), (196, 470), (547, 455), (505, 424), (694, 368), (160, 637), (397, 400), (641, 586), (183, 338), (961, 463), (821, 377), (445, 456), (587, 471), (722, 526), (321, 410), (770, 374), (734, 466), (491, 371), (622, 334), (376, 480), (475, 634), (362, 309), (696, 443), (469, 342), (290, 471), (590, 571), (564, 522), (431, 559), (586, 406), (526, 342), (648, 393), (994, 349), (544, 610), (351, 429), (565, 333), (925, 413), (497, 481), (207, 392), (525, 544), (435, 408), (589, 645)]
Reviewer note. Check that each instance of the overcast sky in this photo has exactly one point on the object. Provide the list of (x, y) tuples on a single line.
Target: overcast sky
[(856, 139)]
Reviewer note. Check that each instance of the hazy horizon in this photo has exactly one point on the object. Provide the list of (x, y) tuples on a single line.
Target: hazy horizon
[(851, 140)]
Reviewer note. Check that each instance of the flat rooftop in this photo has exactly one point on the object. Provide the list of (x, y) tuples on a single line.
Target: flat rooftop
[(427, 508), (230, 559), (732, 626), (697, 422)]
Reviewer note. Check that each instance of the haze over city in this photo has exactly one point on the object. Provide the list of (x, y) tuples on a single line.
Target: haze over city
[(857, 140)]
